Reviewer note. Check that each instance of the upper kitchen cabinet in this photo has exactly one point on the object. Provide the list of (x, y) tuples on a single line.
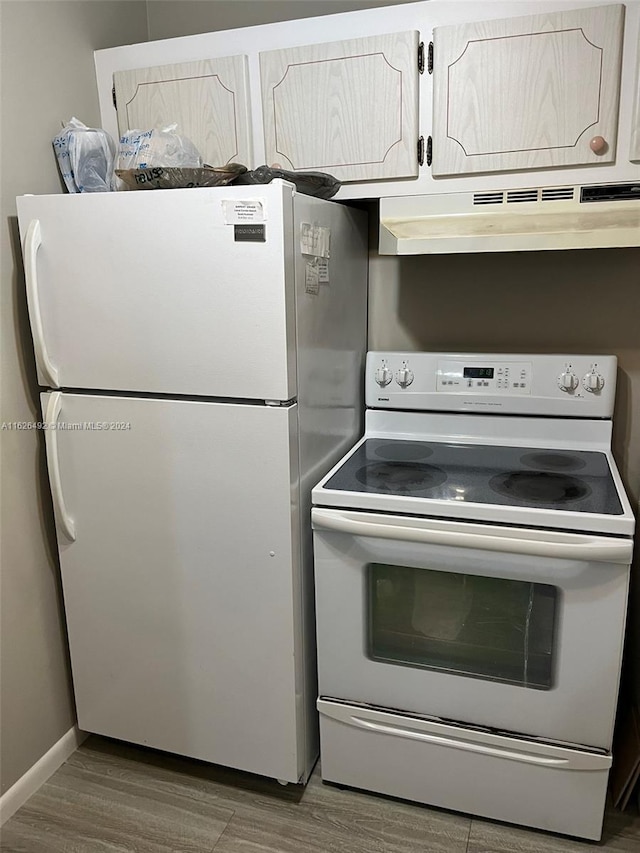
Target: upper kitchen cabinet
[(349, 107), (513, 102), (527, 93), (208, 100)]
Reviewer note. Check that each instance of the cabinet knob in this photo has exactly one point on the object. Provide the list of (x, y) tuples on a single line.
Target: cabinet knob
[(598, 144)]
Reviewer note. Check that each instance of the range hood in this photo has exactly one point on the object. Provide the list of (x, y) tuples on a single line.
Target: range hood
[(516, 220)]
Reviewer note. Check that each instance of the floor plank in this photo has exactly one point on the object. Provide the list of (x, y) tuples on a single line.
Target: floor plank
[(292, 829), (621, 833), (117, 798), (83, 809), (269, 816)]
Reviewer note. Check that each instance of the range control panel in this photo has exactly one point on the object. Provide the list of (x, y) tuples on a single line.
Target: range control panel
[(561, 385), (508, 377)]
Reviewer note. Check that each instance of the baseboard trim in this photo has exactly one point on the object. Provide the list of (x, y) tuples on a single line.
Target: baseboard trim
[(37, 775)]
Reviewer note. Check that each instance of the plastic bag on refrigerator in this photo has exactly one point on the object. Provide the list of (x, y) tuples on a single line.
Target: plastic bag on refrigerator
[(145, 149), (86, 157), (161, 158)]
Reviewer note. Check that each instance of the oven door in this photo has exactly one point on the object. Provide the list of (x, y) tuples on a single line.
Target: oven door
[(518, 630)]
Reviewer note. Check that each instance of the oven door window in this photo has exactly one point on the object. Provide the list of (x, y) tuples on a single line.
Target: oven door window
[(482, 627)]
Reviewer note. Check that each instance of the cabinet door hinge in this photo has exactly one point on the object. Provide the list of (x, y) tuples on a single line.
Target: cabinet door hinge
[(430, 58), (113, 98), (420, 150), (421, 57), (429, 150)]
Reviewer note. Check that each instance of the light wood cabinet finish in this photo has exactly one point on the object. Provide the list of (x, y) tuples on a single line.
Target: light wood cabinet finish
[(349, 108), (527, 93), (562, 94), (208, 100)]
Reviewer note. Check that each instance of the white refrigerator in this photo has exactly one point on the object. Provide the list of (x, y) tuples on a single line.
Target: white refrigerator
[(204, 353)]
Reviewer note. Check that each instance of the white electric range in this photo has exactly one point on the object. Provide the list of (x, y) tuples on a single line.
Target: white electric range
[(472, 557)]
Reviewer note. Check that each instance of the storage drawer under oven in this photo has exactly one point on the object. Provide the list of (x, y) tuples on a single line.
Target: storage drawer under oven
[(533, 784)]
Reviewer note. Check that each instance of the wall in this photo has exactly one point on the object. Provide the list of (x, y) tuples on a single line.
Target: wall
[(47, 75), (173, 18)]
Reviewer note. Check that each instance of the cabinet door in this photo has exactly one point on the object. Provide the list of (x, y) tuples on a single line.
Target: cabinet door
[(208, 100), (527, 93), (349, 108)]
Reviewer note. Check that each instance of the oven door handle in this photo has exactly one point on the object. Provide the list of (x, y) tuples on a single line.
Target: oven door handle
[(543, 543)]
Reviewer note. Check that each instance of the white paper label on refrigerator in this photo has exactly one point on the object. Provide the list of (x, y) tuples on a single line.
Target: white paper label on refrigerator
[(315, 240), (246, 210), (323, 270), (312, 277)]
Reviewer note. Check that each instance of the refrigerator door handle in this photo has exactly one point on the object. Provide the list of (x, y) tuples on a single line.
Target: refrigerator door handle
[(32, 243), (63, 519)]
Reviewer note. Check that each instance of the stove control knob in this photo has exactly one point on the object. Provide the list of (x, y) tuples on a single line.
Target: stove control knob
[(567, 381), (383, 376), (593, 382), (404, 377)]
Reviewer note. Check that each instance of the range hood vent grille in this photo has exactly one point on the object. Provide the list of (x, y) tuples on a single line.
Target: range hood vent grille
[(488, 198), (557, 193), (521, 195), (516, 196)]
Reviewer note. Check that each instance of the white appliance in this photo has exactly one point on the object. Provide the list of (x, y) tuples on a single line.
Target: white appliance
[(512, 220), (472, 561), (204, 351)]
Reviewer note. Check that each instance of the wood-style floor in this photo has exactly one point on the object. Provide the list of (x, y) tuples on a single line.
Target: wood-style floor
[(112, 798)]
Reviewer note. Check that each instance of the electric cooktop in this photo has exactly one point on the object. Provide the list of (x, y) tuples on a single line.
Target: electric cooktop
[(541, 478)]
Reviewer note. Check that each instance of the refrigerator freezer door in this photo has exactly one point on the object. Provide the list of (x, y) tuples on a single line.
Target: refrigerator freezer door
[(182, 586), (161, 292)]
